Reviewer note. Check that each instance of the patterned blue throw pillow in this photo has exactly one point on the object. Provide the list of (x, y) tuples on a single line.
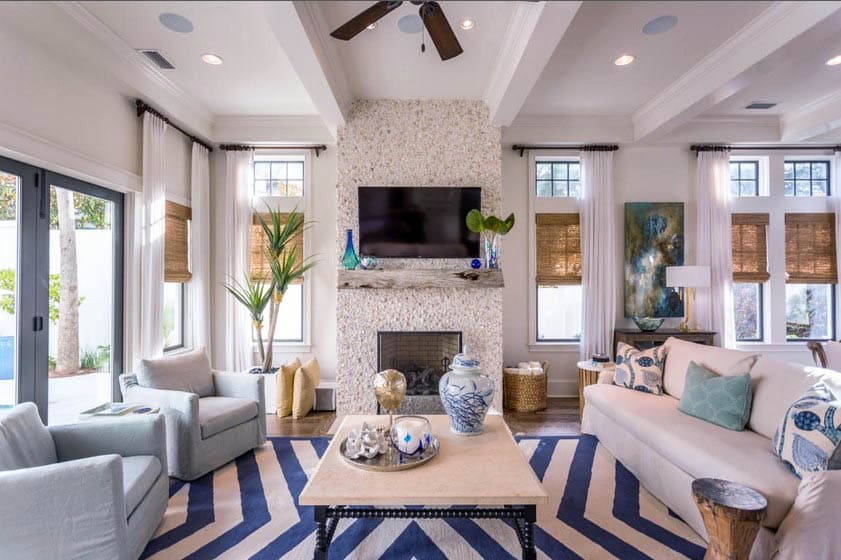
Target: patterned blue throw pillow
[(810, 431), (723, 400), (640, 371)]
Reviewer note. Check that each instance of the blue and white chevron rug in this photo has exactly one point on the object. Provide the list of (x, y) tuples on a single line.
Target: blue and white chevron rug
[(248, 509)]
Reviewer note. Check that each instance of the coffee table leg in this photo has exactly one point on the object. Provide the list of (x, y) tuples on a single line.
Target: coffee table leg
[(322, 542), (529, 552)]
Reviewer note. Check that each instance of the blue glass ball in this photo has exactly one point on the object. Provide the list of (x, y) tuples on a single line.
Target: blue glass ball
[(476, 264)]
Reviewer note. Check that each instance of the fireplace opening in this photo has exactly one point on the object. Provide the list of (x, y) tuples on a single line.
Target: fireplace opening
[(423, 357)]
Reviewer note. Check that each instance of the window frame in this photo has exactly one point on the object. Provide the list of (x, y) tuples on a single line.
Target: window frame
[(564, 161), (183, 325), (832, 319), (810, 160), (287, 204), (278, 159), (756, 180), (760, 313), (538, 204), (545, 341)]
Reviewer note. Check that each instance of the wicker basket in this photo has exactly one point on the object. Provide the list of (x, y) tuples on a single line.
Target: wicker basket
[(522, 392)]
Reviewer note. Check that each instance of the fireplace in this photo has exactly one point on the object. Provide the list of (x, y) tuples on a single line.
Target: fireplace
[(423, 357)]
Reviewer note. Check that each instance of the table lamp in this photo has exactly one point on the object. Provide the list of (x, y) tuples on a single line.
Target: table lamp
[(688, 278)]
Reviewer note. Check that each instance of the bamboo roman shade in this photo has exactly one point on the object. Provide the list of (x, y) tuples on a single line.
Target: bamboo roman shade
[(558, 249), (260, 268), (177, 243), (750, 247), (810, 249)]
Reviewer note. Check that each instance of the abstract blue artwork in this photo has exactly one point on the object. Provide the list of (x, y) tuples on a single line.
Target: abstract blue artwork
[(653, 241)]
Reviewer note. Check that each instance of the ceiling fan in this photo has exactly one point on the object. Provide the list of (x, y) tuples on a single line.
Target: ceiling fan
[(430, 12)]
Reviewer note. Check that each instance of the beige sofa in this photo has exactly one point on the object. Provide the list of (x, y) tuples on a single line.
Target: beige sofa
[(667, 449)]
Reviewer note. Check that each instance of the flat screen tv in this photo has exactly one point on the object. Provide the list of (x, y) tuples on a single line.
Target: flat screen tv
[(417, 222)]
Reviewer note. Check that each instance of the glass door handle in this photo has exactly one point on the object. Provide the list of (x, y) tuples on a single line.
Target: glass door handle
[(37, 324), (43, 195)]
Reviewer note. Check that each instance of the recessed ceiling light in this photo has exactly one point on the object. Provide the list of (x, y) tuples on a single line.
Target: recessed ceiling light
[(467, 24), (372, 26), (659, 25), (212, 59), (624, 60), (175, 22), (834, 61)]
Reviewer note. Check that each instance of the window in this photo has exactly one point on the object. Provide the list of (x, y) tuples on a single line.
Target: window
[(806, 178), (279, 176), (558, 280), (744, 178), (750, 272), (173, 320), (811, 275), (557, 178)]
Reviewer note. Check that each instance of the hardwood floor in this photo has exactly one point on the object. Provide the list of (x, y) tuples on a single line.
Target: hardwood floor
[(559, 419)]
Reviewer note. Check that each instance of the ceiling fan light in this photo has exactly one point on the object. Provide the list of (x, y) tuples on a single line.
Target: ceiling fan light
[(467, 24)]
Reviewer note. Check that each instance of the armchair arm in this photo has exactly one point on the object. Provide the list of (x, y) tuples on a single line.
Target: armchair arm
[(141, 435), (818, 353), (65, 510), (246, 386)]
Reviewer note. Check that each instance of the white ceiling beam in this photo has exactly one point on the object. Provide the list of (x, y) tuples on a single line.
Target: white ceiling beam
[(729, 68), (531, 38), (815, 119), (298, 31), (560, 129), (290, 129)]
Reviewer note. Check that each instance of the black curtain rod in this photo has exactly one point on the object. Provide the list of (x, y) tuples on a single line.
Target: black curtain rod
[(244, 148), (142, 107), (705, 148), (579, 147)]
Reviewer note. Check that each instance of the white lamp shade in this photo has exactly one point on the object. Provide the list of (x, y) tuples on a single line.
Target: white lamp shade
[(688, 276)]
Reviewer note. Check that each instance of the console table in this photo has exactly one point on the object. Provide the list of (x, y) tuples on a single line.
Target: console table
[(643, 340)]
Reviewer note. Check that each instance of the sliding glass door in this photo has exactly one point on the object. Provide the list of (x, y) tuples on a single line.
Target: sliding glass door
[(60, 292)]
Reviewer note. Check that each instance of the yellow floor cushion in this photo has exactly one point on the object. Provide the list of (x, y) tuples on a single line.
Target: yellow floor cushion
[(285, 387), (307, 378)]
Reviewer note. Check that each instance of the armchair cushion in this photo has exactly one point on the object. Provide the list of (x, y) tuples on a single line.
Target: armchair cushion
[(139, 473), (188, 372), (217, 414), (24, 441)]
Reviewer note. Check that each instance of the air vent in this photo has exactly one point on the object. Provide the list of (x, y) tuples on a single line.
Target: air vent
[(761, 105), (158, 59)]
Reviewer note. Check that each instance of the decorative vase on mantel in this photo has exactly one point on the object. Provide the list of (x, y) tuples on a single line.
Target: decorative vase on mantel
[(466, 394), (350, 261), (491, 250)]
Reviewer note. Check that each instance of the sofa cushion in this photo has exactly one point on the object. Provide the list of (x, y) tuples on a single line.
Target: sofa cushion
[(810, 530), (716, 359), (189, 372), (698, 448), (832, 350), (809, 431), (139, 474), (24, 441), (217, 414), (640, 370), (777, 384), (723, 400)]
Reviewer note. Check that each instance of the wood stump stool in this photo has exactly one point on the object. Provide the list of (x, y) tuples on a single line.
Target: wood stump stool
[(732, 514)]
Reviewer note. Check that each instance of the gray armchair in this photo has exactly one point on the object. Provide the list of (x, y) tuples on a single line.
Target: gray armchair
[(211, 417), (93, 490)]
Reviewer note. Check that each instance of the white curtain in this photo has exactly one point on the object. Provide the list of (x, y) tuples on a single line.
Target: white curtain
[(714, 305), (152, 245), (598, 257), (198, 289), (235, 256)]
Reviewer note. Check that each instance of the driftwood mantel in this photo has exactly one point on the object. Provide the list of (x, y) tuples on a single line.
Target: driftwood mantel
[(402, 279)]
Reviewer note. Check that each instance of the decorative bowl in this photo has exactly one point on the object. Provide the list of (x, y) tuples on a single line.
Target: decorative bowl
[(648, 324), (369, 263)]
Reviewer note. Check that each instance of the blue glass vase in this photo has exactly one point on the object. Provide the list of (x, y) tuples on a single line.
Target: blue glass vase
[(350, 261)]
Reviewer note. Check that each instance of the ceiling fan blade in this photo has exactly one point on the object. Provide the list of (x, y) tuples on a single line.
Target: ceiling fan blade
[(357, 25), (440, 31)]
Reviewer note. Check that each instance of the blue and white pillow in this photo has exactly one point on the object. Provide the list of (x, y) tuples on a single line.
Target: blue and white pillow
[(810, 431), (640, 371)]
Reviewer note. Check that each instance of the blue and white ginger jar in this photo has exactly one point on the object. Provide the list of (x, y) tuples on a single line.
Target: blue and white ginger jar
[(466, 394)]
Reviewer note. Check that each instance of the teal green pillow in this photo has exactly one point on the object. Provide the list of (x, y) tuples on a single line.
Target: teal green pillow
[(723, 400)]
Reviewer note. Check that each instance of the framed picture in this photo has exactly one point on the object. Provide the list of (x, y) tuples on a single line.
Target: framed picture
[(653, 241)]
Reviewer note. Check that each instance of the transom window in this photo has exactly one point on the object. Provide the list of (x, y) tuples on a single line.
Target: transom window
[(806, 178), (279, 176), (557, 178), (744, 178)]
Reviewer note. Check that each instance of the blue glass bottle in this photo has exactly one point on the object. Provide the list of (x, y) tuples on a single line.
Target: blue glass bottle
[(350, 261)]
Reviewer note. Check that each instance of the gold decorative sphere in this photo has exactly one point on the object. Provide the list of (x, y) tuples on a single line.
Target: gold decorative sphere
[(390, 389)]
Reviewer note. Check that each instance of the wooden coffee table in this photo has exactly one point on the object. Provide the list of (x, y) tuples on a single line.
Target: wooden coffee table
[(488, 471)]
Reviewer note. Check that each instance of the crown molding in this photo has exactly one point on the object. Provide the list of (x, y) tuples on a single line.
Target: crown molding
[(136, 71), (715, 77)]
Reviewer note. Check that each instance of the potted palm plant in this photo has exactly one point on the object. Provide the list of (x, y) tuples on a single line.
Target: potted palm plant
[(255, 296)]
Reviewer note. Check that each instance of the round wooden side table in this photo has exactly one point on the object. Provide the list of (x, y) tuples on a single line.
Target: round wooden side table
[(732, 514), (588, 374)]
